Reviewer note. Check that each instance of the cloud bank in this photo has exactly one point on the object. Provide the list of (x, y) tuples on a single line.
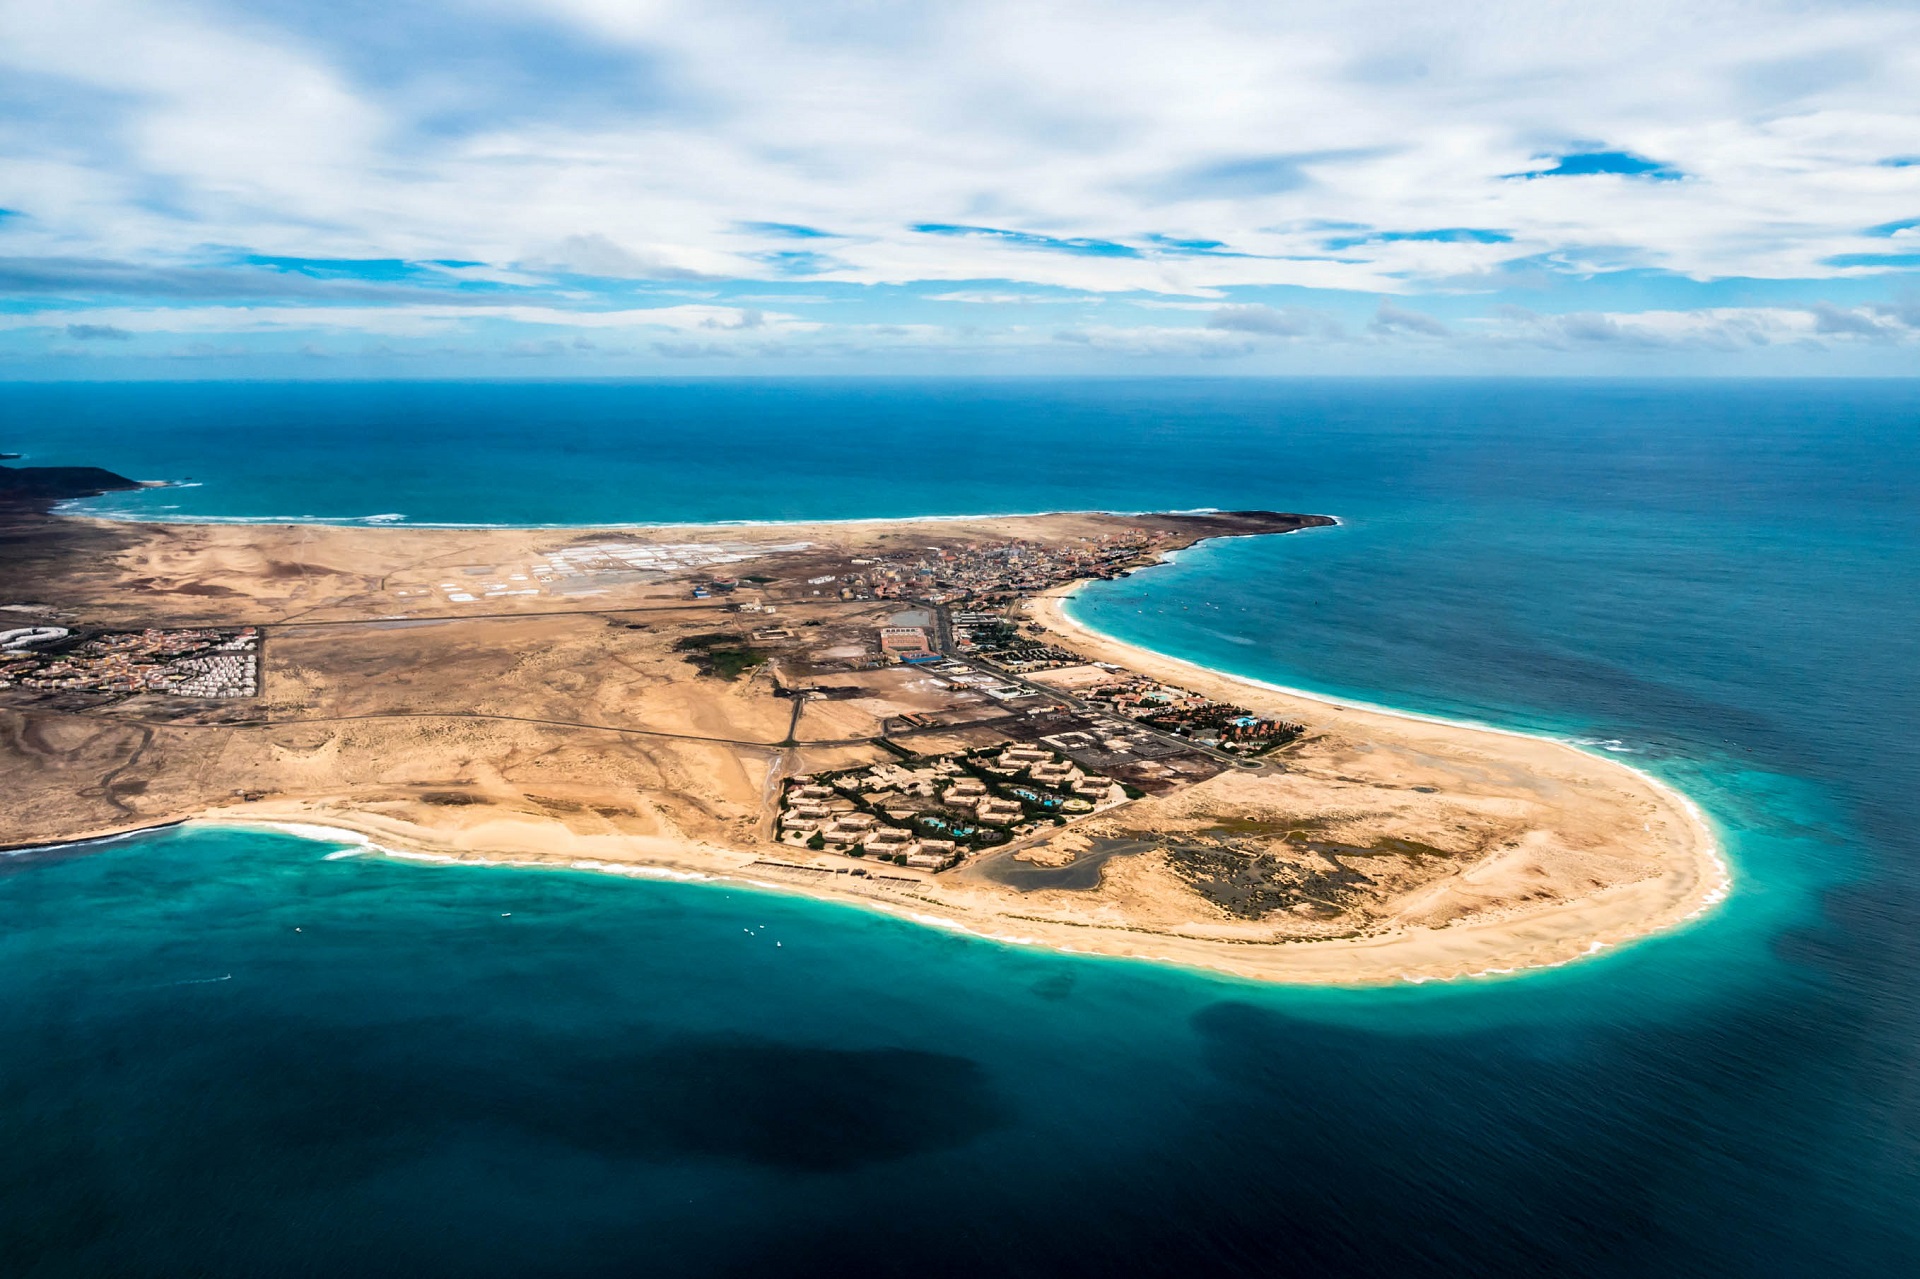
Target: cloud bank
[(1355, 186)]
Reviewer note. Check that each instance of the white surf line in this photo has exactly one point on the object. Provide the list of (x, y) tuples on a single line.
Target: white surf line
[(358, 842), (90, 841), (362, 844)]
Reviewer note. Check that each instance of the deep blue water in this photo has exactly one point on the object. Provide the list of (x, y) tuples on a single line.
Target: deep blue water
[(626, 1077)]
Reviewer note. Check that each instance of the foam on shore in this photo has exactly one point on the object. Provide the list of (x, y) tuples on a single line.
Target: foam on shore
[(89, 841)]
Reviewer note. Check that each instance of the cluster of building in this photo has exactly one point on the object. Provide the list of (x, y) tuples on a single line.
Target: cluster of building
[(1003, 571), (945, 673), (1187, 714), (1078, 790), (184, 663), (1101, 737), (821, 815), (997, 639), (930, 813)]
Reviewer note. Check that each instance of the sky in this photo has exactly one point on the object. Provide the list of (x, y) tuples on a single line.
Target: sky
[(543, 188)]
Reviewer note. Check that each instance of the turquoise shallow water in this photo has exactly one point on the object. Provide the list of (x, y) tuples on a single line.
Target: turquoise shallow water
[(469, 1071)]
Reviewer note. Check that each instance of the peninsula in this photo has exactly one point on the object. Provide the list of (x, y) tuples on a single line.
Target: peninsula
[(899, 714)]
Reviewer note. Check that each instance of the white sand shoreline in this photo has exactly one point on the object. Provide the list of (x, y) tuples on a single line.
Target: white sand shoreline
[(1052, 609), (1378, 708)]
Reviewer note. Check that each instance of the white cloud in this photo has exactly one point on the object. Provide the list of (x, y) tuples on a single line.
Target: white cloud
[(595, 254), (408, 321), (1706, 328), (1398, 321), (1150, 341), (1214, 162), (990, 297), (1267, 321), (1074, 119)]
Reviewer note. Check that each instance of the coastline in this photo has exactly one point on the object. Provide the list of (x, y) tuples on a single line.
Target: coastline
[(99, 837), (1691, 879), (1694, 892), (1413, 956)]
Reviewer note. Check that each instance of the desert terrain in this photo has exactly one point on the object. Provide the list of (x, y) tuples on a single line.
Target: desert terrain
[(644, 699)]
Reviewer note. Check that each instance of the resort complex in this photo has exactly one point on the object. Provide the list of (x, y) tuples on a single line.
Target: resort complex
[(196, 662)]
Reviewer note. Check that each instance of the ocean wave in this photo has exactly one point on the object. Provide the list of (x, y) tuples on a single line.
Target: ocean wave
[(306, 830)]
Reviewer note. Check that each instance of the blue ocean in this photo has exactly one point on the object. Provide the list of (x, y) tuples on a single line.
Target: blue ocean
[(228, 1053)]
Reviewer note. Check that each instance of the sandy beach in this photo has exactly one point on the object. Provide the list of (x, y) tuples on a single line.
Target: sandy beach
[(1686, 870)]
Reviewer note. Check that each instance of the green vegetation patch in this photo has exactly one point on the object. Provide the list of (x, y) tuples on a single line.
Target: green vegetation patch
[(720, 654)]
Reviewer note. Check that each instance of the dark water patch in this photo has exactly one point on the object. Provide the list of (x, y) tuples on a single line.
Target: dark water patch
[(1056, 986), (1501, 1160), (795, 1106), (217, 1100)]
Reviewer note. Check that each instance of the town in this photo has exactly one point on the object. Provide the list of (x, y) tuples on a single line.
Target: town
[(1047, 737), (1001, 573), (202, 662), (930, 811)]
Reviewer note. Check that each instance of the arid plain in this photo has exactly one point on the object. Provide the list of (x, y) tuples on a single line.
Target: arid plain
[(634, 700)]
